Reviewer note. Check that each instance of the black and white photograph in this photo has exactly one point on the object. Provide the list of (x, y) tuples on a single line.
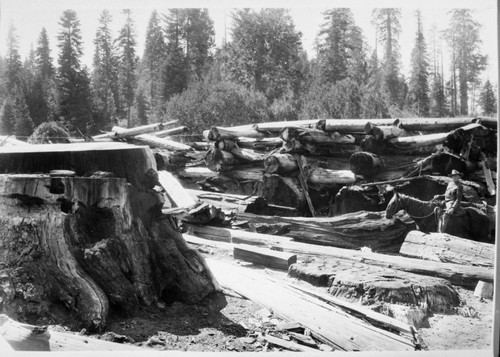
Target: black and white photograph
[(249, 176)]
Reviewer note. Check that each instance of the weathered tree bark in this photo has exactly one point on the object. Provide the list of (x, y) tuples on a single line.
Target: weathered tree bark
[(280, 164), (320, 149), (461, 275), (315, 136), (366, 164), (126, 161), (248, 155), (442, 247), (175, 161), (264, 144), (354, 231), (217, 133), (76, 247)]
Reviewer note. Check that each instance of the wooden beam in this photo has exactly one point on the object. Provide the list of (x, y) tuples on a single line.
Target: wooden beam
[(176, 193), (461, 275), (442, 247), (123, 133), (264, 256), (170, 132), (341, 331)]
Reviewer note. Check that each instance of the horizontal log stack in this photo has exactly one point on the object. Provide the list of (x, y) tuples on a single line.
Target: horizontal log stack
[(305, 163)]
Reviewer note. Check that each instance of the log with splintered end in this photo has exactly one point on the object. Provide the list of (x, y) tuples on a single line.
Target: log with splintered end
[(365, 164), (280, 164)]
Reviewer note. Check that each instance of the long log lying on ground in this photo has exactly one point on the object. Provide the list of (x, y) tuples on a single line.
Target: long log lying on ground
[(442, 247), (320, 149), (332, 326), (170, 132), (24, 337), (263, 144), (263, 256), (220, 160), (162, 143), (123, 160), (248, 155), (385, 132), (353, 230), (461, 275), (178, 196), (278, 126)]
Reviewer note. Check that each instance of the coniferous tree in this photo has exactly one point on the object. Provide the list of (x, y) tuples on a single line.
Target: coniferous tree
[(8, 117), (340, 47), (463, 37), (487, 99), (105, 74), (13, 62), (127, 65), (388, 27), (43, 59), (73, 81), (150, 81), (23, 124), (176, 65), (419, 86), (374, 99)]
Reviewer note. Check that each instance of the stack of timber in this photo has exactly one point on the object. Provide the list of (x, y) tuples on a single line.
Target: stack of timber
[(305, 163)]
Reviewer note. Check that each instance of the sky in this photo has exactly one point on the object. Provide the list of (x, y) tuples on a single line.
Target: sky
[(29, 16)]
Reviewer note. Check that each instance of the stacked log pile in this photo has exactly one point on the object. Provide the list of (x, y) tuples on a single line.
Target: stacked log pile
[(305, 163)]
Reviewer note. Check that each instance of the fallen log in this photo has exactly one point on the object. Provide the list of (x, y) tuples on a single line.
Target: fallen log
[(408, 124), (461, 275), (385, 132), (263, 256), (170, 132), (125, 161), (331, 326), (162, 143), (286, 163), (314, 136), (278, 126), (248, 155), (196, 173), (353, 230), (217, 133), (123, 133), (442, 247), (23, 337), (235, 236), (263, 144), (366, 164)]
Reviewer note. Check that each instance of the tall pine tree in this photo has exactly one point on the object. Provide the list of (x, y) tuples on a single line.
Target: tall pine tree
[(418, 97), (388, 27), (127, 64), (487, 99), (150, 81), (13, 62), (176, 66), (105, 74), (340, 47), (73, 82), (463, 37)]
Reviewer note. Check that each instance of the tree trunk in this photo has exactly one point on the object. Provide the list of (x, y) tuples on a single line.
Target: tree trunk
[(123, 160), (170, 132), (442, 247), (162, 143), (366, 164), (77, 248), (354, 230), (235, 203), (314, 136)]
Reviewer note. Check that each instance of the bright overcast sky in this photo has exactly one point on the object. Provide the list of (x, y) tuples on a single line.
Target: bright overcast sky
[(29, 16)]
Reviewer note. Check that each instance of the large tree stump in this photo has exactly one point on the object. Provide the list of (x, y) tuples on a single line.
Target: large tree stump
[(72, 248)]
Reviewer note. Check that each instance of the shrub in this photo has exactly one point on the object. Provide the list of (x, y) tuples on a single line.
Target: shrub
[(49, 132)]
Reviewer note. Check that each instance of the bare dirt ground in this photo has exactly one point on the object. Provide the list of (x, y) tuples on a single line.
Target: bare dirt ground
[(229, 323)]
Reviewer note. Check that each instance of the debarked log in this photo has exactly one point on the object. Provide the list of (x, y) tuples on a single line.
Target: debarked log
[(91, 246)]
